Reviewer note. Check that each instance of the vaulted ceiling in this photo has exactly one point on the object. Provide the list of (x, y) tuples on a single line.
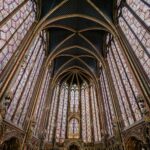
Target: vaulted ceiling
[(76, 34)]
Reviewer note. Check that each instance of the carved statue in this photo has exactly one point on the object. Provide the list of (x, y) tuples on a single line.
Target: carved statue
[(146, 116), (30, 132), (42, 137), (3, 108)]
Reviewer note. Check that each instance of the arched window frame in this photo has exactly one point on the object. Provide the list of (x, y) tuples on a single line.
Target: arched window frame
[(74, 128)]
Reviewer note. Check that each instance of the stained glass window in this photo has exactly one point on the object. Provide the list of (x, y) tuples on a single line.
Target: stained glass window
[(141, 9), (52, 115), (74, 98), (62, 114), (8, 6), (73, 128), (41, 101), (95, 115), (134, 22), (14, 29), (67, 117), (85, 113), (23, 85), (125, 84)]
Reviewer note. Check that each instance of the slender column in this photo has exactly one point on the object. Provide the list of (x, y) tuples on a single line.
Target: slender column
[(86, 117), (46, 111), (34, 98), (98, 99), (48, 102), (117, 111), (55, 121), (107, 104), (80, 108), (99, 116), (91, 117), (94, 98), (102, 109), (68, 110)]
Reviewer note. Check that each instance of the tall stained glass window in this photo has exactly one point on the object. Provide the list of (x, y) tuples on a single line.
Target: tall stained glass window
[(95, 115), (85, 113), (20, 16), (134, 21), (53, 114), (23, 84), (74, 98), (125, 84), (62, 114)]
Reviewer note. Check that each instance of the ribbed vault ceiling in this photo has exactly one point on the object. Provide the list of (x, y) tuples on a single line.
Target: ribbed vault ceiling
[(76, 34)]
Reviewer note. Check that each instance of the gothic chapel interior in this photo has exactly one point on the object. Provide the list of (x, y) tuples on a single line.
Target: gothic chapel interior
[(74, 74)]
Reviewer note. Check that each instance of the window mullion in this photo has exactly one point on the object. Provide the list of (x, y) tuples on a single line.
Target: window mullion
[(12, 13), (137, 17), (23, 87), (141, 44), (148, 4), (34, 77), (124, 88), (1, 50), (121, 98), (127, 78)]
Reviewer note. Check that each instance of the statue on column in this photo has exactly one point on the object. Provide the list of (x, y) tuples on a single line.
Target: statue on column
[(117, 133), (3, 109), (30, 133), (42, 137), (146, 116)]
